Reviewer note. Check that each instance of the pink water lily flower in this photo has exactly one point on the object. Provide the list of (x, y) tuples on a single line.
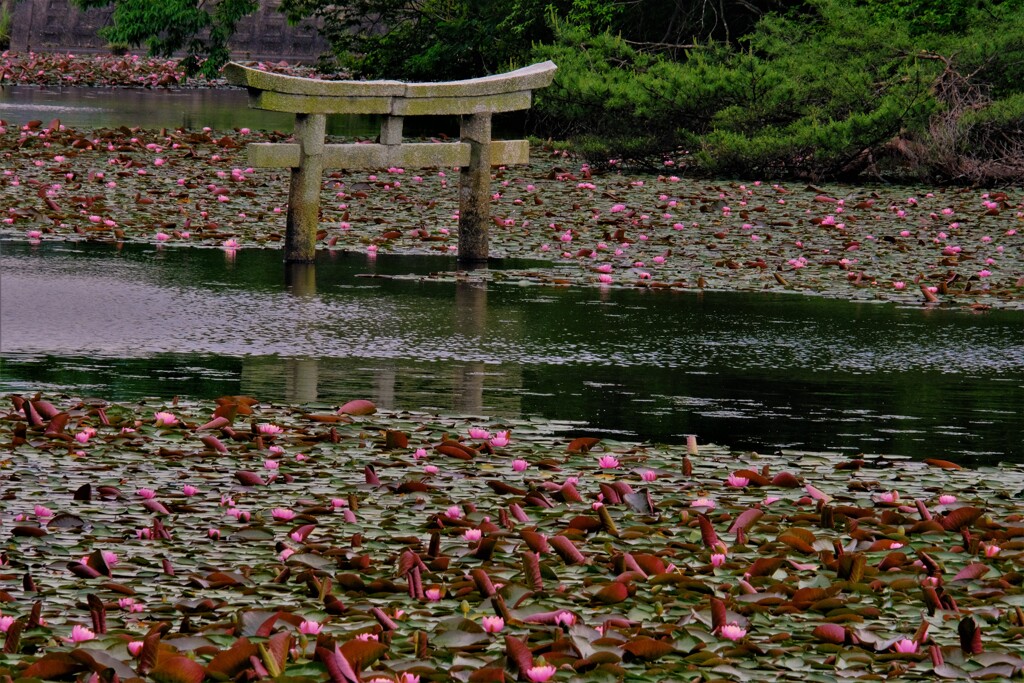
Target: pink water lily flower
[(433, 594), (309, 627), (736, 482), (269, 429), (518, 465), (540, 674), (565, 618), (165, 419), (135, 648), (6, 622), (889, 496), (905, 646), (732, 631), (80, 634), (282, 514), (479, 433), (472, 534), (500, 440), (492, 624), (608, 462)]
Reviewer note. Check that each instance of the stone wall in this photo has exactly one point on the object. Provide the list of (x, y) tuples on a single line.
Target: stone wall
[(59, 26)]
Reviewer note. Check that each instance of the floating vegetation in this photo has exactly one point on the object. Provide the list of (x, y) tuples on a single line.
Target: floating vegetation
[(604, 229), (239, 540)]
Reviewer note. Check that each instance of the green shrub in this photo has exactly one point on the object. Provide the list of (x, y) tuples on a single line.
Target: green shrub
[(831, 92)]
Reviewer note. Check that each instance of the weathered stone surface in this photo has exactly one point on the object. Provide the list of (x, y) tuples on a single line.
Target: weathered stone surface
[(512, 101), (475, 189), (408, 155), (391, 130), (528, 78), (304, 191), (295, 104)]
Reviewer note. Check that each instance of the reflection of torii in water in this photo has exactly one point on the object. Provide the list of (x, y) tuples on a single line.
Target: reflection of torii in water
[(301, 375), (471, 320), (467, 376)]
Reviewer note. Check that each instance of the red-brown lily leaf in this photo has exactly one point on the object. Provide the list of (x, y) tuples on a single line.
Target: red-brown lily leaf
[(582, 444), (229, 663), (786, 480), (830, 633), (612, 593), (338, 667), (765, 566), (707, 532), (943, 464), (278, 646), (648, 649), (362, 653), (358, 407), (454, 452), (394, 438), (745, 519), (799, 539), (413, 487), (518, 654), (53, 666), (975, 570), (175, 668), (247, 478), (755, 478), (960, 518)]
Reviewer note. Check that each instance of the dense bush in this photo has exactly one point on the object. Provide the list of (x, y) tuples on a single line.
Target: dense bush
[(834, 91)]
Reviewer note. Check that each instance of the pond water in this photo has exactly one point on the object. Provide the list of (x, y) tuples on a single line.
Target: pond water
[(220, 109), (752, 371)]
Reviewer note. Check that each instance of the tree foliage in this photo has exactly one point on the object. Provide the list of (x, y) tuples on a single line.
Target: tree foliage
[(832, 90), (166, 27)]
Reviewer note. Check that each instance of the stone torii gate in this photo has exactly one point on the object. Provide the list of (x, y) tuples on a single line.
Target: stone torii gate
[(311, 100)]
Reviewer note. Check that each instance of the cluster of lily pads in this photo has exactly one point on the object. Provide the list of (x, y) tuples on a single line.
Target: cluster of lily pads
[(60, 69), (607, 228), (237, 540), (103, 70)]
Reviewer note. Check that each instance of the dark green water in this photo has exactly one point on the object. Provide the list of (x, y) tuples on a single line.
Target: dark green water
[(751, 371), (220, 109)]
